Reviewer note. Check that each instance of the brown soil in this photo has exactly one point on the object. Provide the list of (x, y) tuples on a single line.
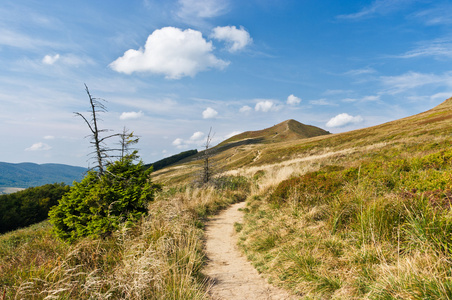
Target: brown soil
[(232, 275)]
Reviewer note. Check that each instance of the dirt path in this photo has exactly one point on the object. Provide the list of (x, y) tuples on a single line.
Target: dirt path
[(234, 277)]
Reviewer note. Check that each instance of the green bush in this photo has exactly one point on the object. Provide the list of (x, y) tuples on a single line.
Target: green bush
[(100, 203)]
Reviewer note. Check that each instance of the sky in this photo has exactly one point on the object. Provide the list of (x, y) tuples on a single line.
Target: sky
[(169, 71)]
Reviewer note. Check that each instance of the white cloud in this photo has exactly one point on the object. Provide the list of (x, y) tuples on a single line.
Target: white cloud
[(18, 40), (436, 48), (209, 113), (50, 60), (412, 80), (197, 136), (172, 52), (343, 120), (196, 140), (131, 115), (349, 100), (293, 100), (39, 147), (245, 109), (370, 98), (264, 106), (441, 96), (201, 8), (68, 59), (358, 72), (336, 92), (178, 142), (237, 39), (380, 7), (49, 137), (439, 15), (322, 102)]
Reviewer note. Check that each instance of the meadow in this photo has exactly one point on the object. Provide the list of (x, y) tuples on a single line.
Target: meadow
[(358, 215)]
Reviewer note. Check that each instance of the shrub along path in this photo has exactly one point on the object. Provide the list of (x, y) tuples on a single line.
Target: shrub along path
[(233, 276)]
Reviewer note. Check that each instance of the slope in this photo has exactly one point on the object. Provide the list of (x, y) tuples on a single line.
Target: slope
[(284, 131), (250, 151)]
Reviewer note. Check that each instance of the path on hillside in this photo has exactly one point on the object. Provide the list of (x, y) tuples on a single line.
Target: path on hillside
[(233, 276)]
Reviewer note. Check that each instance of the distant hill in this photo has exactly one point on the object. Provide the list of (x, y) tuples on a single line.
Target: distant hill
[(284, 131), (289, 130), (288, 141), (24, 175)]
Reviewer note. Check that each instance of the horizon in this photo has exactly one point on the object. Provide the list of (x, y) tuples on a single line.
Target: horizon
[(170, 71)]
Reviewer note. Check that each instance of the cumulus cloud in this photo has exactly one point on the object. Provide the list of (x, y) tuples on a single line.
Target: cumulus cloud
[(131, 115), (293, 100), (236, 39), (196, 140), (178, 142), (209, 113), (245, 109), (197, 136), (201, 8), (172, 52), (50, 60), (264, 106), (39, 147), (342, 120)]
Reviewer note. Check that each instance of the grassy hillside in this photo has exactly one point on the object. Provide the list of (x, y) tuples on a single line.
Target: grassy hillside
[(25, 175), (364, 214)]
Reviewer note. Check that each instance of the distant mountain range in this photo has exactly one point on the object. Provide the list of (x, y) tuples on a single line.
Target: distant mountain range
[(24, 175)]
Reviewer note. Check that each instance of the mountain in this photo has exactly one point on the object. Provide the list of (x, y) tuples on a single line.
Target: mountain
[(291, 141), (284, 131), (288, 130), (24, 175), (244, 148)]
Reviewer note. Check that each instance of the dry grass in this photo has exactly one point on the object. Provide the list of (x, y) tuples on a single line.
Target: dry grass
[(161, 258), (372, 237)]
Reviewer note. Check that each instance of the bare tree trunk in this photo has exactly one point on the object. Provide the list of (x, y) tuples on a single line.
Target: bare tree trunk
[(207, 171), (100, 150)]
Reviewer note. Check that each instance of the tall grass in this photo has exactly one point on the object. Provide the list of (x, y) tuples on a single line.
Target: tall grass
[(160, 258), (379, 230)]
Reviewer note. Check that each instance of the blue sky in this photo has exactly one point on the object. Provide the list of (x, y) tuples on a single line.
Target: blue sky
[(170, 70)]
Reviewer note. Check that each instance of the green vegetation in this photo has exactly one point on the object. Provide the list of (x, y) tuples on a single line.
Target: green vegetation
[(29, 206), (359, 215), (386, 223), (99, 204), (160, 257), (171, 160)]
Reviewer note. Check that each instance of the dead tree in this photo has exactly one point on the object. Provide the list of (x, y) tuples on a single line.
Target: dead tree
[(127, 139), (207, 172), (100, 149)]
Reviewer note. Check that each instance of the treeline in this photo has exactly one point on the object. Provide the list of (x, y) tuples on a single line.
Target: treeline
[(29, 206), (172, 159)]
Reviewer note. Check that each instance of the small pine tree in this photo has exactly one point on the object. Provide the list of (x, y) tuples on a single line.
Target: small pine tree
[(100, 203)]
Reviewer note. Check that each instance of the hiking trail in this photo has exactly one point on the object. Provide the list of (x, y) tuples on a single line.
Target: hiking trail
[(233, 276)]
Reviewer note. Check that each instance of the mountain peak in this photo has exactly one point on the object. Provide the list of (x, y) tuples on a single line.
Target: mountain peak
[(287, 130)]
